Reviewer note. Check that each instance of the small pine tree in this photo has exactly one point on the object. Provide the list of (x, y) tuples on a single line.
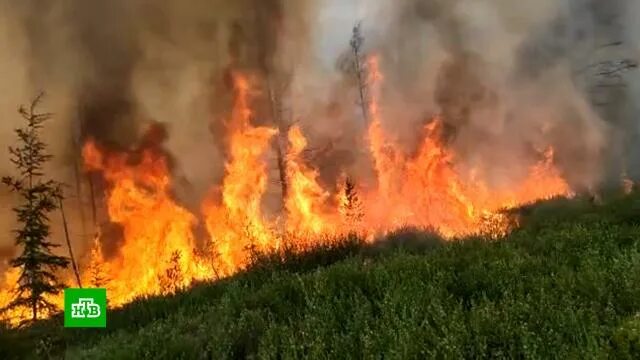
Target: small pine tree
[(172, 278), (98, 277), (39, 197), (351, 207)]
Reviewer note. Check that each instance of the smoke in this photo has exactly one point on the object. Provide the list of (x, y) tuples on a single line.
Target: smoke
[(501, 73), (19, 85), (13, 74), (112, 69), (632, 39)]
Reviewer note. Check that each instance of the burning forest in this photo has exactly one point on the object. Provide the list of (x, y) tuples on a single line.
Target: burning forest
[(255, 146)]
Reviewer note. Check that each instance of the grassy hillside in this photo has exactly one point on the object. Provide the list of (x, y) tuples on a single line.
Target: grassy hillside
[(566, 285)]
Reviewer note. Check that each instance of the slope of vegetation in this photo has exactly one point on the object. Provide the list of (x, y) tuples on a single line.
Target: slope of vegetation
[(566, 285)]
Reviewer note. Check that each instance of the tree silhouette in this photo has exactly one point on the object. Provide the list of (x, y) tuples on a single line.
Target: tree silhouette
[(359, 68), (172, 279), (98, 275), (39, 197), (351, 207)]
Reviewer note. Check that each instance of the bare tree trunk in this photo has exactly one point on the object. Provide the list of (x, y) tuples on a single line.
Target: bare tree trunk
[(276, 112), (77, 174), (94, 211), (66, 235), (92, 197), (77, 177), (282, 170), (357, 41)]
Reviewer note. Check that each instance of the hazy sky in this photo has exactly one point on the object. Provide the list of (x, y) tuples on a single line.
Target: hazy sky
[(335, 22)]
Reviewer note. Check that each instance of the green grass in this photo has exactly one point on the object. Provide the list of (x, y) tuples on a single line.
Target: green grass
[(566, 285)]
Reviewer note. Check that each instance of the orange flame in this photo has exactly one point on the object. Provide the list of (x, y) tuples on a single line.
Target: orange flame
[(237, 224), (158, 251), (386, 159), (154, 226), (306, 198)]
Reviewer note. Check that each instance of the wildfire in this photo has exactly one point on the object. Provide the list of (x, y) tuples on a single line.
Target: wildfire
[(158, 252), (8, 288), (155, 228), (306, 199), (385, 157), (236, 225)]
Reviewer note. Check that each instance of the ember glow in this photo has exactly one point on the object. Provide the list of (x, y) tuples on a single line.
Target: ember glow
[(426, 188)]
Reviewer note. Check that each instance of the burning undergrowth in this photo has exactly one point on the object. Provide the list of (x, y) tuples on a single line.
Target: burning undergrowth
[(156, 241), (285, 155)]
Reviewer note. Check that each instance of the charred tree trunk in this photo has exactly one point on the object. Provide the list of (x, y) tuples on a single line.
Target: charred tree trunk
[(90, 182), (77, 175), (276, 113), (68, 239), (94, 211), (359, 68)]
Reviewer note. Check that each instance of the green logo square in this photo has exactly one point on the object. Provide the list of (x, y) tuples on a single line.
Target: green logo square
[(85, 308)]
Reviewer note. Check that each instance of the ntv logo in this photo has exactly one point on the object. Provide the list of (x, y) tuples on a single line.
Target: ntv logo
[(85, 308)]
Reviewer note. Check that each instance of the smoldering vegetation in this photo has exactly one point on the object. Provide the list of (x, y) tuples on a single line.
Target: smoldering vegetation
[(500, 73)]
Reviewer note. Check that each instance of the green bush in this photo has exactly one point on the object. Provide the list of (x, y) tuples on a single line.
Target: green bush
[(625, 341)]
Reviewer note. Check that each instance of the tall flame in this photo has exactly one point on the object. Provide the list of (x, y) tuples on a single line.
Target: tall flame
[(154, 226), (306, 200), (237, 223), (158, 251), (386, 158)]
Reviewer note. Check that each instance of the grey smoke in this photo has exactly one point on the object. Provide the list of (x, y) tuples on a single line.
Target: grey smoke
[(503, 75), (111, 68)]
